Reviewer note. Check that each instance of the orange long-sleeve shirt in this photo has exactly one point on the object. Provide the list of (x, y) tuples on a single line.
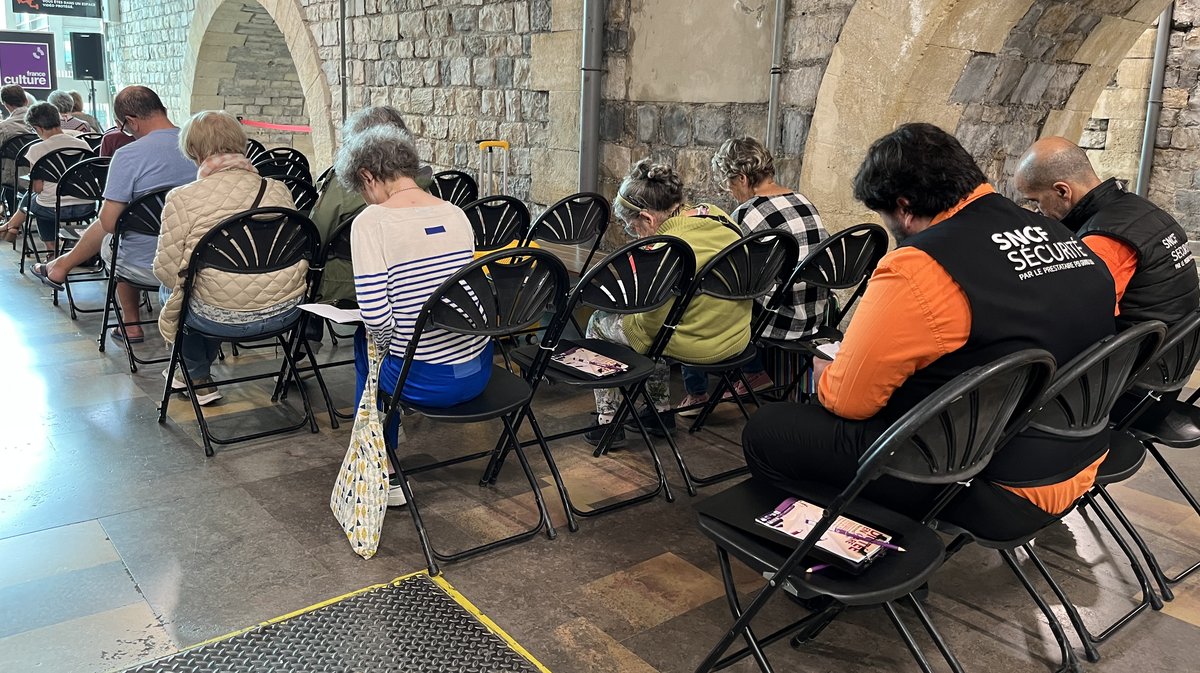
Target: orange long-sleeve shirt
[(913, 313)]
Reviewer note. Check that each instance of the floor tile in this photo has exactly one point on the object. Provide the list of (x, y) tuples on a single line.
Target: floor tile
[(96, 643), (54, 551)]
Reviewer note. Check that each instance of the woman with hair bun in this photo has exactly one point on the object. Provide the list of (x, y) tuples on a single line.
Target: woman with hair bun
[(649, 202)]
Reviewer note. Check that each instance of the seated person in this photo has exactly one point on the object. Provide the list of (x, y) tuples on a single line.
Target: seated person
[(78, 113), (44, 119), (952, 296), (153, 163), (405, 243), (66, 106), (746, 170), (225, 185), (650, 202)]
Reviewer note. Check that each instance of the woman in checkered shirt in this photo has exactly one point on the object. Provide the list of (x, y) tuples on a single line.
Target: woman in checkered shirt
[(745, 168)]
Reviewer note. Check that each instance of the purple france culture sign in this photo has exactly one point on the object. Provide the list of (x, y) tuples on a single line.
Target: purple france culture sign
[(27, 64)]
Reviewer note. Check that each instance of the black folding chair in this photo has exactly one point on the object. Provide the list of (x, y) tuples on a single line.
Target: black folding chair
[(640, 276), (324, 175), (498, 221), (254, 149), (142, 217), (759, 264), (493, 297), (576, 220), (9, 152), (282, 167), (303, 193), (947, 438), (281, 154), (252, 242), (50, 168), (844, 260), (454, 186), (84, 180), (20, 162), (92, 139)]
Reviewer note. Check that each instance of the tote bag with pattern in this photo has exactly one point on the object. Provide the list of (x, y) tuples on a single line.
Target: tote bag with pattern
[(359, 498)]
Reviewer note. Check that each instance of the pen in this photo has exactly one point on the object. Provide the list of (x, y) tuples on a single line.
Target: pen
[(873, 540), (817, 568)]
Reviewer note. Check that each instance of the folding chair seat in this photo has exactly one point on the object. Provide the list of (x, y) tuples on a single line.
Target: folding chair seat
[(249, 243), (141, 217), (494, 297), (844, 260), (640, 276), (83, 180), (1078, 404), (456, 187), (947, 438)]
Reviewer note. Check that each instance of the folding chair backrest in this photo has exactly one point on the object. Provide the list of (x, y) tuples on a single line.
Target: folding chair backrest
[(85, 180), (92, 139), (1176, 358), (498, 221), (324, 174), (338, 245), (498, 294), (303, 193), (257, 241), (254, 149), (577, 219), (842, 261), (749, 267), (282, 167), (1080, 399), (951, 435), (281, 154), (144, 214), (454, 186), (639, 276), (54, 165), (13, 146)]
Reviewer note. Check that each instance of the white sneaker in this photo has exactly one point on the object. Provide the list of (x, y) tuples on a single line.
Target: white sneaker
[(206, 392), (396, 493), (177, 382)]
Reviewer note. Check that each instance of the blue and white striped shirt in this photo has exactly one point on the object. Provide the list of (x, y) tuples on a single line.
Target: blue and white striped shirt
[(401, 255)]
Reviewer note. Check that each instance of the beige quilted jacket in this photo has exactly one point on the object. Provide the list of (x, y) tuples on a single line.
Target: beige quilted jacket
[(190, 212)]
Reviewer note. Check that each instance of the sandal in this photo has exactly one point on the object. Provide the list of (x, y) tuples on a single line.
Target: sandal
[(119, 337), (43, 275)]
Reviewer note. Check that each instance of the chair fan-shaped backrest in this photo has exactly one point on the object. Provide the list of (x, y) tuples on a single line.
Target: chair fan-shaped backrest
[(254, 149), (1080, 399), (842, 261), (85, 180), (144, 214), (257, 241), (750, 267), (12, 147), (454, 186), (576, 219), (497, 221), (92, 139), (499, 294), (1176, 358), (338, 244), (282, 167), (639, 276), (951, 435), (282, 154), (303, 193), (54, 165)]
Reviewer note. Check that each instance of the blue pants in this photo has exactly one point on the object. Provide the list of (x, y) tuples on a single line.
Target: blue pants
[(199, 351), (45, 217), (695, 382)]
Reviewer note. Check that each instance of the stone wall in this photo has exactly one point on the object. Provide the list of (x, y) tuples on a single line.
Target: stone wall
[(148, 47), (1175, 177)]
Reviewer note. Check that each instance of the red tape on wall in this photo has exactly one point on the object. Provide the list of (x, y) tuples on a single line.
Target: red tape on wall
[(276, 127)]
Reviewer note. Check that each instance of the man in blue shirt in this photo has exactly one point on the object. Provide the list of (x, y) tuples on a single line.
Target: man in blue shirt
[(153, 162)]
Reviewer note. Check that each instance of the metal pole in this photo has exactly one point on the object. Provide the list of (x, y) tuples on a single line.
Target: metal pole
[(776, 76), (345, 70), (589, 95), (1154, 101)]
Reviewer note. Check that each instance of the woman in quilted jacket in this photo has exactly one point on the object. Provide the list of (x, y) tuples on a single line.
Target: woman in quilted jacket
[(237, 306)]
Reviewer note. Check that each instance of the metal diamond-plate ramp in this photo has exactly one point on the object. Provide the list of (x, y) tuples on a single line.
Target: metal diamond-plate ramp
[(412, 625)]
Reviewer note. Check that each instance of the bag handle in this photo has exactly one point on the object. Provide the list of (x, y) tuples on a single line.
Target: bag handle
[(262, 189), (370, 394)]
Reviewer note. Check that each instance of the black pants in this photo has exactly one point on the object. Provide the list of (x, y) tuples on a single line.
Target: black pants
[(788, 442)]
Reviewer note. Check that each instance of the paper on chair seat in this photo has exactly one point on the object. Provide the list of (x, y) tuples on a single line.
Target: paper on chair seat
[(341, 316)]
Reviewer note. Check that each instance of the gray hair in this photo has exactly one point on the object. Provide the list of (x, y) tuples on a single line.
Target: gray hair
[(384, 152), (380, 115), (649, 186), (44, 116), (61, 100), (743, 156)]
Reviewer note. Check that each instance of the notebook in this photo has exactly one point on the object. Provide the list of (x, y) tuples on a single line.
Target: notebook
[(847, 543)]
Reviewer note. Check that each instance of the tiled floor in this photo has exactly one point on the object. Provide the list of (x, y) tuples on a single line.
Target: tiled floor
[(119, 541)]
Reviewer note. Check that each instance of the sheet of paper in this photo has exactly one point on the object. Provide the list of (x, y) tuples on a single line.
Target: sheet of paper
[(830, 349), (341, 316)]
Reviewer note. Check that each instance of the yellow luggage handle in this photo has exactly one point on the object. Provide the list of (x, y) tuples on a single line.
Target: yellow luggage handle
[(488, 144)]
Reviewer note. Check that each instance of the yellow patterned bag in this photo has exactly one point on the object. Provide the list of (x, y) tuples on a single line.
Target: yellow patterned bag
[(359, 498)]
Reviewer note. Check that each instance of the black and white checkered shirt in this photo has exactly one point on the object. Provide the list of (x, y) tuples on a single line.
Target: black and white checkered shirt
[(801, 313)]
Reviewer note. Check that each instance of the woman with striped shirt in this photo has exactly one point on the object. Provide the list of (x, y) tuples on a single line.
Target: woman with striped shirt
[(404, 244)]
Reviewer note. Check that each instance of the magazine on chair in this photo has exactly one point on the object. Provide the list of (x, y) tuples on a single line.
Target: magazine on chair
[(847, 544), (580, 361)]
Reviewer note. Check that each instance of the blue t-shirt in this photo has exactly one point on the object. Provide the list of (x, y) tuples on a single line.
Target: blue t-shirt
[(153, 162)]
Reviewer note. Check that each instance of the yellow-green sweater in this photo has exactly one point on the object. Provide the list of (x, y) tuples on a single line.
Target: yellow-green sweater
[(711, 329)]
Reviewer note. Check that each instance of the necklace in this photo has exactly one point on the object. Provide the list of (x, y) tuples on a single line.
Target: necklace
[(402, 189)]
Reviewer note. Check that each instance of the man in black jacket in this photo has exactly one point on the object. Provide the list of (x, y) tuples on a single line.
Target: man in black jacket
[(1144, 248)]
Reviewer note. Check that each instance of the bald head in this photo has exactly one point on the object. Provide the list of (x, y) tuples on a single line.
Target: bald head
[(1056, 174)]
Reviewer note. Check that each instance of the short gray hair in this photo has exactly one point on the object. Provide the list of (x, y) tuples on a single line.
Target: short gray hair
[(44, 116), (61, 100), (383, 151), (743, 156), (379, 115)]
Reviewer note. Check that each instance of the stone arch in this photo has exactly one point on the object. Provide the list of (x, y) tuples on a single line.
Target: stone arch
[(288, 17), (997, 73)]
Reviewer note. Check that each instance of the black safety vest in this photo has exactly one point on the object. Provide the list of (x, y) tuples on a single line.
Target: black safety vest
[(1030, 284), (1164, 286)]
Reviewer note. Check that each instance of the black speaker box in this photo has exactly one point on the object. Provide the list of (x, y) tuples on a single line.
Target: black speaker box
[(87, 54)]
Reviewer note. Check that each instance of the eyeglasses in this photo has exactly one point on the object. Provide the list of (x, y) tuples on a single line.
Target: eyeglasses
[(122, 122)]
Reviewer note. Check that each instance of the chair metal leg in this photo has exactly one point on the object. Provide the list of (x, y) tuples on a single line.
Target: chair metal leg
[(1149, 597), (906, 636), (1085, 636), (1069, 664), (110, 295), (572, 524), (1187, 494), (736, 609), (1164, 586), (935, 635)]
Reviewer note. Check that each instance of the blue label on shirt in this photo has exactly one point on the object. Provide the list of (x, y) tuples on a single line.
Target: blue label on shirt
[(430, 231)]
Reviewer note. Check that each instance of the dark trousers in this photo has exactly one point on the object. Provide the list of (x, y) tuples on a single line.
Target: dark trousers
[(788, 442)]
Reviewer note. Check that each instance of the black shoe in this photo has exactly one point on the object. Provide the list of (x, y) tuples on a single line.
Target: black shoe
[(594, 436), (652, 426)]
